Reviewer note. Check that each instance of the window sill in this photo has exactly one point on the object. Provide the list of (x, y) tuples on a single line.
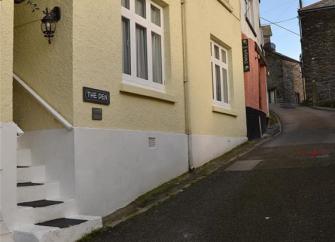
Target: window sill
[(224, 111), (227, 5), (142, 91)]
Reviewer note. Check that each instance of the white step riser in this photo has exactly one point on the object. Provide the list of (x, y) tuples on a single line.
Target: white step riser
[(34, 193), (26, 215), (31, 174), (24, 157), (50, 234)]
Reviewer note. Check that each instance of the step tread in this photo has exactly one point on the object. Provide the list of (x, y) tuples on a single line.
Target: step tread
[(62, 222), (33, 233), (28, 184), (39, 203)]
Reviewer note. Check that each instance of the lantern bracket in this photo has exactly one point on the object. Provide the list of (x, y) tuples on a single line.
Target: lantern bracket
[(49, 21), (53, 15)]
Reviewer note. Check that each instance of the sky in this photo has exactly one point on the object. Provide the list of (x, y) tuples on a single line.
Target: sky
[(284, 10)]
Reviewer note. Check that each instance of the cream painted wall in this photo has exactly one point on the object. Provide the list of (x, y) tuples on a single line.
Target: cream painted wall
[(6, 59), (97, 63), (206, 19), (46, 68), (31, 115)]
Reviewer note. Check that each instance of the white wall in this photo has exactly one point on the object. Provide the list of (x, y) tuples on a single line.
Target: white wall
[(55, 150), (208, 147), (8, 146), (246, 28), (114, 167), (106, 169)]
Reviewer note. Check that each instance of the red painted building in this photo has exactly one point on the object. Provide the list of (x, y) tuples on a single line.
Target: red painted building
[(255, 72)]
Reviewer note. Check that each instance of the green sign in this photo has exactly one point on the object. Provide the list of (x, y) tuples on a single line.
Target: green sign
[(245, 48)]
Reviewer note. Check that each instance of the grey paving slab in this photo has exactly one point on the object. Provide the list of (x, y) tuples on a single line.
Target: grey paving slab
[(244, 165)]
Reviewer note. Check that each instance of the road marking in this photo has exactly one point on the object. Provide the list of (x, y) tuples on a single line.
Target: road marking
[(243, 165)]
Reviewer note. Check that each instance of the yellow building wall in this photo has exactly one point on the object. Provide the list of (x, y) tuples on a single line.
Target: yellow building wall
[(45, 68), (97, 63), (87, 51), (6, 59), (206, 20)]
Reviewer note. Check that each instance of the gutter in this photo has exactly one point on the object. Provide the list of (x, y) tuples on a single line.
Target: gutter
[(302, 11), (186, 87)]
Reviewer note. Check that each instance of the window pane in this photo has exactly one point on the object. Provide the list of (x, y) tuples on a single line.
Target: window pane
[(155, 15), (225, 85), (157, 66), (141, 52), (126, 46), (217, 52), (125, 3), (224, 56), (140, 7), (218, 83)]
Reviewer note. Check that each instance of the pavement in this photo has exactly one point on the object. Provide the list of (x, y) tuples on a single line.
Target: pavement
[(282, 191)]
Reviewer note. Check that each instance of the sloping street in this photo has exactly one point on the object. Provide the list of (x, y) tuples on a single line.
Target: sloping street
[(282, 191)]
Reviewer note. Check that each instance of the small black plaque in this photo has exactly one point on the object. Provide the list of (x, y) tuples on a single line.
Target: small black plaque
[(92, 95), (97, 114), (246, 62)]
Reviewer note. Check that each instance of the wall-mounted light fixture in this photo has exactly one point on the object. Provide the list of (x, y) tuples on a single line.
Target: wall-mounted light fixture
[(49, 21)]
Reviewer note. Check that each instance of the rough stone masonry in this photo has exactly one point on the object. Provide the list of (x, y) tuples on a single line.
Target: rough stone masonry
[(318, 50)]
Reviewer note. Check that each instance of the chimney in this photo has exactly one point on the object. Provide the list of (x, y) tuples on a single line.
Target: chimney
[(267, 33)]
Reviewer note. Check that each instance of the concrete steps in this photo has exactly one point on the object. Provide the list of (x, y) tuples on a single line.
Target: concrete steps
[(41, 215), (31, 215), (31, 174), (24, 157), (48, 190)]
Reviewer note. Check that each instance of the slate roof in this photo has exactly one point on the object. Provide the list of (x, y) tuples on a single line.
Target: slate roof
[(320, 4), (284, 57)]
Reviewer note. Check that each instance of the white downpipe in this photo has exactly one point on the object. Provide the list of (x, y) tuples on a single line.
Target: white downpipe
[(46, 105)]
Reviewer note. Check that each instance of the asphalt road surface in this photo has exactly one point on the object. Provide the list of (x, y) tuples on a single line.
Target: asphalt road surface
[(283, 191)]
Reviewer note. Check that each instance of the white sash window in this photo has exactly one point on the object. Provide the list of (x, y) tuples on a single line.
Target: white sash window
[(143, 43), (220, 75)]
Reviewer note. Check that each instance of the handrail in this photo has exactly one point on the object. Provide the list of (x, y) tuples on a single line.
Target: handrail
[(46, 105)]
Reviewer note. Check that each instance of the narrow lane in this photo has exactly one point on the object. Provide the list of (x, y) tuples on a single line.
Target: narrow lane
[(283, 191)]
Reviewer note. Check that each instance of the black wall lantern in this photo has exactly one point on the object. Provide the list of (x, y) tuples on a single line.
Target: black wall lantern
[(49, 21)]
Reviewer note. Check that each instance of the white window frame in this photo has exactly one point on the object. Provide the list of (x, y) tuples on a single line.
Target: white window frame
[(135, 19), (222, 65)]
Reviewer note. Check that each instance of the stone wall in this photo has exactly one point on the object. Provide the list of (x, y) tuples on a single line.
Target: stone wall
[(285, 77), (318, 46)]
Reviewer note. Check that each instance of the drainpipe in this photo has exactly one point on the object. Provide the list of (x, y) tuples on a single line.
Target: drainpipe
[(302, 50), (186, 87)]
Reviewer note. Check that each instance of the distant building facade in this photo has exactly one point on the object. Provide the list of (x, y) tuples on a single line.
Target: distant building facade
[(285, 82), (257, 108), (318, 48)]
